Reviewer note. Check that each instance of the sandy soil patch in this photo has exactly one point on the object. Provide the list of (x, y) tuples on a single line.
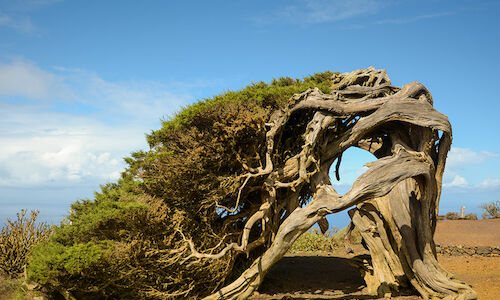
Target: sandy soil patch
[(482, 273)]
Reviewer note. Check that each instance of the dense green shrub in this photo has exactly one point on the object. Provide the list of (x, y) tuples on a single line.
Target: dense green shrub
[(17, 240), (128, 242)]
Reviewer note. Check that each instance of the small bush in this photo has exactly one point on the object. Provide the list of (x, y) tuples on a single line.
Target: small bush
[(471, 217), (440, 218), (314, 240), (17, 240), (491, 210), (452, 216), (15, 289)]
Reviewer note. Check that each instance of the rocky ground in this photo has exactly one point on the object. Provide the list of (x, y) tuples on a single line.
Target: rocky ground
[(468, 249)]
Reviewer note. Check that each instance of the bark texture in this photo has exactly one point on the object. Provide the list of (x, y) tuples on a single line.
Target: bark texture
[(395, 201)]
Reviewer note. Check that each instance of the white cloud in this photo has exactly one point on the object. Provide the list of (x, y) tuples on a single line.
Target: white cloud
[(76, 86), (61, 150), (320, 11), (490, 183), (21, 78), (73, 127), (463, 163), (19, 23), (341, 183), (140, 99), (406, 20), (458, 181), (458, 157)]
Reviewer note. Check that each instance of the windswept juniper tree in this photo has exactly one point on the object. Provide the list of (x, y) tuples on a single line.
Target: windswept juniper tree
[(231, 182)]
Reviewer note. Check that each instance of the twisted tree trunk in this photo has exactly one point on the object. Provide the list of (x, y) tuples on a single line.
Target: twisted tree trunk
[(396, 199)]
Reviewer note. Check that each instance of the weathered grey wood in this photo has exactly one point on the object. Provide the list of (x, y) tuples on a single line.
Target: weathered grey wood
[(395, 201)]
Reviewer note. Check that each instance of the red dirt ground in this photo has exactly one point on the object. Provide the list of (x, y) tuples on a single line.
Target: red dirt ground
[(329, 275), (468, 232)]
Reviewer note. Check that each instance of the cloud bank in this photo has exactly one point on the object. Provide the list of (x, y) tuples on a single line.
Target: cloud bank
[(66, 127), (463, 163)]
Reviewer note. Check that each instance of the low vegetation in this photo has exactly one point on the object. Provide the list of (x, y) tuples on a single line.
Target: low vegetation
[(16, 289), (452, 216), (455, 216), (315, 241), (471, 217), (17, 240), (491, 210)]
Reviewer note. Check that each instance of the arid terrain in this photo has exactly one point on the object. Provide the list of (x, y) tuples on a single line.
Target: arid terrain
[(329, 275)]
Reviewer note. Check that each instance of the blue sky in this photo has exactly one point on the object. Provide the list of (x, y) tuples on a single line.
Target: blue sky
[(82, 81)]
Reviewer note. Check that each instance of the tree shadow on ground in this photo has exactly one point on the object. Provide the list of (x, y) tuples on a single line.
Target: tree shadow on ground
[(315, 275)]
